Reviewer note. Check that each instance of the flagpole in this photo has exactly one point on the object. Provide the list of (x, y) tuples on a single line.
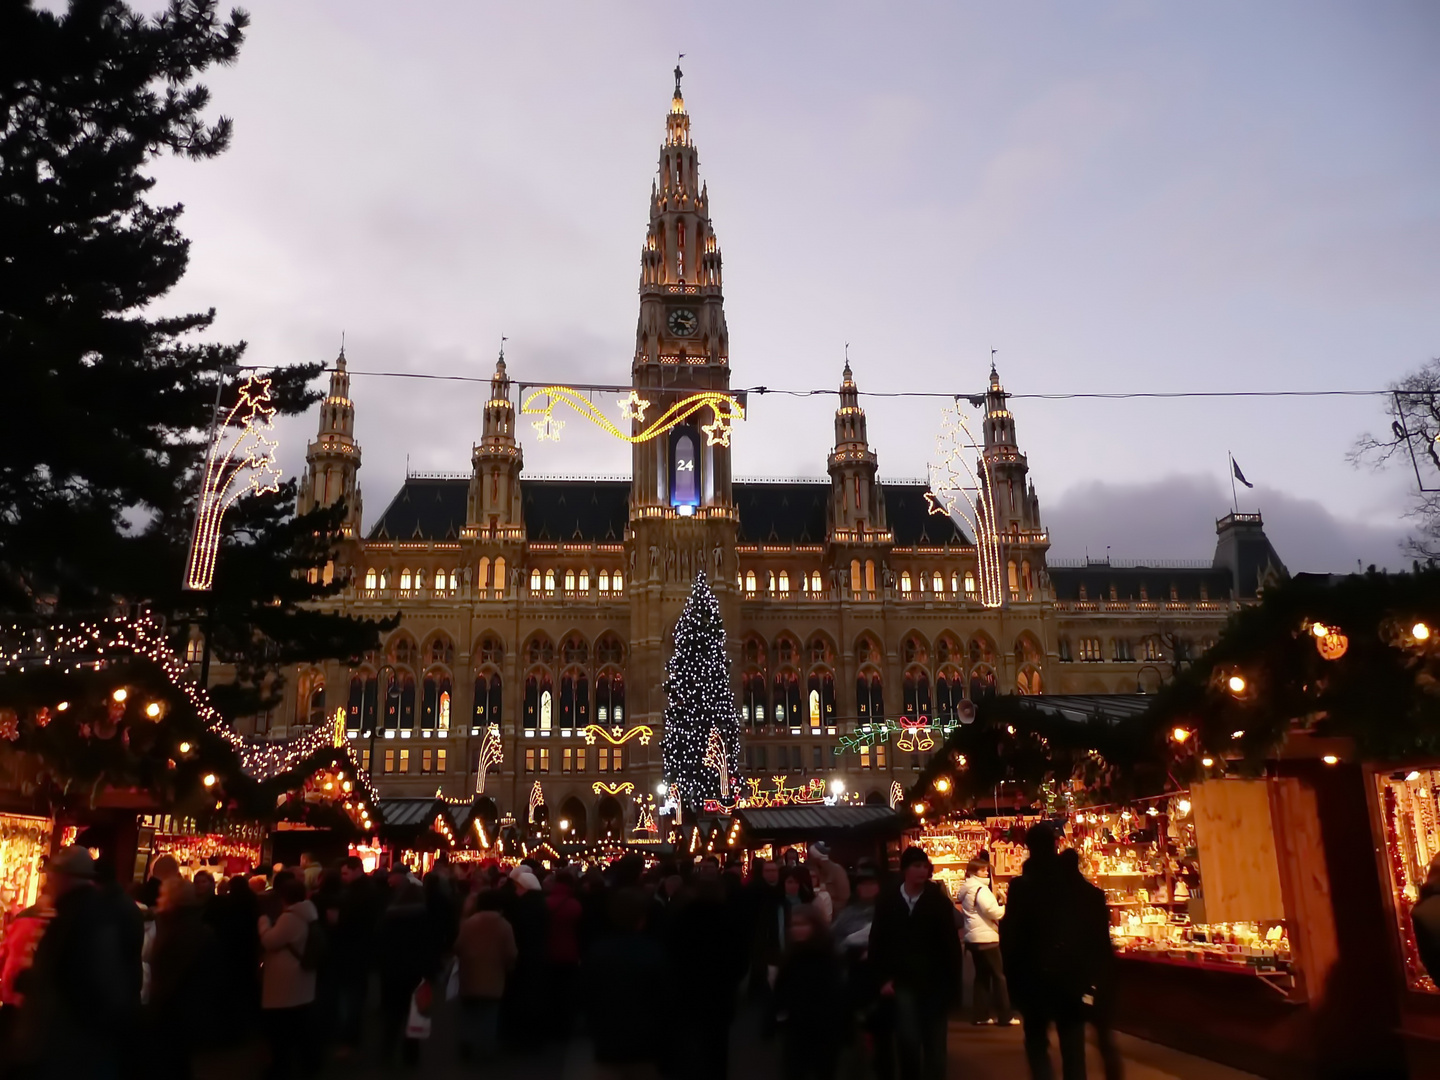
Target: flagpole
[(1234, 498)]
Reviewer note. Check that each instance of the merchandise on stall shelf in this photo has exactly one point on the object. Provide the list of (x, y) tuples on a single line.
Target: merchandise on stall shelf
[(1408, 808), (24, 843), (1156, 933), (952, 844), (230, 852)]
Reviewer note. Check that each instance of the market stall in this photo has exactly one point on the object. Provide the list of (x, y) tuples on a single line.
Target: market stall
[(233, 848), (851, 832), (25, 843)]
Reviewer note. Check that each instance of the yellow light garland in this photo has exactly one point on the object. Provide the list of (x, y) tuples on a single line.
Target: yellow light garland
[(726, 409), (641, 731)]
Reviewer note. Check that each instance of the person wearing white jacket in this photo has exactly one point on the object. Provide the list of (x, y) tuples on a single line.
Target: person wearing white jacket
[(982, 914)]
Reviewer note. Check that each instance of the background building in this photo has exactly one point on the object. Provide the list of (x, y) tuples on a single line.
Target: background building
[(533, 609)]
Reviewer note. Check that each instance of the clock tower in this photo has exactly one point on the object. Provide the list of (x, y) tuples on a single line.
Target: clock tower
[(682, 513)]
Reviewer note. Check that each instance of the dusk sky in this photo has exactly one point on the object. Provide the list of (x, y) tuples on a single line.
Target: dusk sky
[(1122, 196)]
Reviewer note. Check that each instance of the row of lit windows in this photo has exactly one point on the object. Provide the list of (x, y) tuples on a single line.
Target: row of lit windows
[(398, 760), (762, 759), (576, 581), (862, 579), (607, 759), (782, 704)]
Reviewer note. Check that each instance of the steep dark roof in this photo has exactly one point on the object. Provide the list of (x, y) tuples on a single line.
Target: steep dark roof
[(585, 511), (424, 510), (911, 520), (1243, 549), (576, 511), (779, 512), (555, 510), (1098, 577)]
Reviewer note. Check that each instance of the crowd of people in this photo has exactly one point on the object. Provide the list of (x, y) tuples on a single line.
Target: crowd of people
[(847, 969)]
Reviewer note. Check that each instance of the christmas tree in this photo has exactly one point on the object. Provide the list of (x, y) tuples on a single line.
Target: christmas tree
[(701, 744)]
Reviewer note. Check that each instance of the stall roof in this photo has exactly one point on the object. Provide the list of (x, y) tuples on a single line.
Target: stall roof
[(409, 813), (794, 822)]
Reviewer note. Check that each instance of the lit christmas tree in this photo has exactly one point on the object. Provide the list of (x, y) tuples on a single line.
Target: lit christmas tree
[(702, 727)]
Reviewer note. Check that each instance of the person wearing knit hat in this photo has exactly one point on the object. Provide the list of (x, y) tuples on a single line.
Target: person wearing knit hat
[(524, 879)]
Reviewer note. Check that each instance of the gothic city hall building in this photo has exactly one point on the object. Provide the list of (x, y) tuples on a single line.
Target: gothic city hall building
[(535, 609)]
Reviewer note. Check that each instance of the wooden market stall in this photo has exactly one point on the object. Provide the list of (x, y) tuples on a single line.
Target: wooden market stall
[(851, 832)]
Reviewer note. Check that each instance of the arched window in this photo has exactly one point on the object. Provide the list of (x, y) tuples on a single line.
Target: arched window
[(610, 699), (435, 702), (482, 574), (954, 583), (821, 651), (1014, 578), (869, 575), (441, 579), (855, 581), (442, 650), (753, 700), (541, 650), (371, 579), (574, 700), (914, 651), (821, 701), (569, 581), (310, 698), (905, 582), (982, 682), (364, 697), (405, 579), (784, 583), (939, 583), (535, 584), (917, 693), (499, 576), (617, 582), (402, 649), (538, 702), (575, 650), (770, 581), (969, 583), (750, 582), (1028, 681), (549, 581), (400, 702), (1026, 580), (949, 692), (584, 585), (487, 701), (609, 650), (384, 580), (604, 581), (787, 699), (869, 697)]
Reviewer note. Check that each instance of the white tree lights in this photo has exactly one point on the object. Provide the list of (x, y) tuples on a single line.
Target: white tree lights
[(957, 489), (701, 744), (248, 465)]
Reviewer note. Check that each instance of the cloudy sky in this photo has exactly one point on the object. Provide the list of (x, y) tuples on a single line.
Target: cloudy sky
[(1118, 196)]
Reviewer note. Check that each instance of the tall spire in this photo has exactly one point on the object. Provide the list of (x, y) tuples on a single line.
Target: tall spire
[(857, 511), (333, 459), (493, 506)]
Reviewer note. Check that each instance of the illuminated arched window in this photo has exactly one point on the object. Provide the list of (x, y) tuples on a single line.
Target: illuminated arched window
[(905, 582), (569, 581), (938, 582), (855, 582), (969, 583), (405, 579), (535, 581), (617, 582), (371, 579), (869, 575), (549, 581), (584, 581), (441, 579), (784, 583), (750, 582), (482, 574), (499, 576), (604, 581)]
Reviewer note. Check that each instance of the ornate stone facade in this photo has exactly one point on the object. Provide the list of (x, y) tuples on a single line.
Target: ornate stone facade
[(533, 609)]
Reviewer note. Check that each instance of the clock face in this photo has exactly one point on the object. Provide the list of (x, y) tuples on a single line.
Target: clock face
[(683, 322)]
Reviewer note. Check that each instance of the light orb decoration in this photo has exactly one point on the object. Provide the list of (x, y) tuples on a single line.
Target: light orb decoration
[(1331, 645), (1420, 632), (1236, 683)]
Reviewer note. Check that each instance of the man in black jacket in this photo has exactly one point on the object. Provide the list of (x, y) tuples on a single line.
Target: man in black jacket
[(1055, 943), (915, 956)]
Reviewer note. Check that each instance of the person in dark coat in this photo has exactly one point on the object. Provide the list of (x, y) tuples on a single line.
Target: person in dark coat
[(915, 955), (80, 1002), (522, 1010), (1055, 944), (404, 950), (620, 970), (810, 1005), (181, 962), (1425, 919), (233, 918), (705, 964), (351, 923)]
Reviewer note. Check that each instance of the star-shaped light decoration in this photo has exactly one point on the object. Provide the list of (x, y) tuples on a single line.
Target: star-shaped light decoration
[(718, 433), (645, 737), (633, 407), (548, 427), (590, 736), (935, 506)]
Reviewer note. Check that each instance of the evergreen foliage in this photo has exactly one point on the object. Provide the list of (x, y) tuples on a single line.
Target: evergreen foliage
[(699, 700), (103, 428)]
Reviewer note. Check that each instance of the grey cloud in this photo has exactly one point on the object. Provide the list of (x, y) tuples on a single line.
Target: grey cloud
[(1175, 518)]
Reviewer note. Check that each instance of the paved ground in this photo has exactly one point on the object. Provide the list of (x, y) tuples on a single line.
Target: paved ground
[(976, 1053)]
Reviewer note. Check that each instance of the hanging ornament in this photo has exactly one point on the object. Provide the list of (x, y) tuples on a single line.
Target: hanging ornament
[(42, 717), (9, 724), (1332, 644)]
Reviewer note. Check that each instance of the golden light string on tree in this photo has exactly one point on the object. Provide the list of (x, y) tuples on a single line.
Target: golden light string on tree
[(725, 408)]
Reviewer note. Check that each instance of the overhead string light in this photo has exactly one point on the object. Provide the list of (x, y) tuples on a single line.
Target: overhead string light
[(93, 644), (957, 489)]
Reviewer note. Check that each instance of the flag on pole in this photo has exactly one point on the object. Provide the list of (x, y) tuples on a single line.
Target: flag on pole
[(1235, 466)]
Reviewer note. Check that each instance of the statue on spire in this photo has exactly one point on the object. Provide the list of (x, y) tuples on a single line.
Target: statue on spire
[(678, 74)]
